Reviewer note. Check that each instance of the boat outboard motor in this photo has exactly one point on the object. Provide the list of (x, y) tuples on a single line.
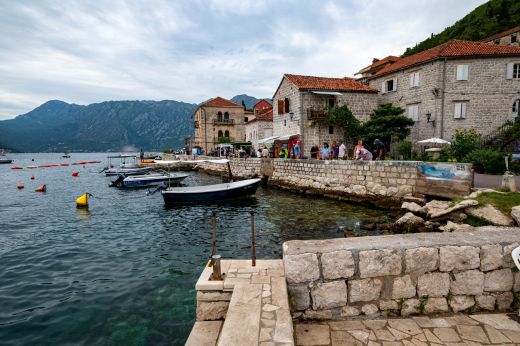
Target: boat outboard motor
[(118, 182)]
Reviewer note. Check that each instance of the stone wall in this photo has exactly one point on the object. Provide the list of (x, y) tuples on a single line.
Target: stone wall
[(241, 168), (408, 274)]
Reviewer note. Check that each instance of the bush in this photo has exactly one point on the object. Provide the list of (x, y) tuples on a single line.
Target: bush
[(404, 149), (486, 161), (463, 142)]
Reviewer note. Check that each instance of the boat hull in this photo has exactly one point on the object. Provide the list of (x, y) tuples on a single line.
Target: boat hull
[(171, 197), (5, 161), (149, 182), (126, 171)]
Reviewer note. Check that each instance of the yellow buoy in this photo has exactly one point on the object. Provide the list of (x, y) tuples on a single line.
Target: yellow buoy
[(82, 201)]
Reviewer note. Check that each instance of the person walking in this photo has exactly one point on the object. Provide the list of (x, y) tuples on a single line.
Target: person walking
[(265, 152), (325, 151), (341, 151)]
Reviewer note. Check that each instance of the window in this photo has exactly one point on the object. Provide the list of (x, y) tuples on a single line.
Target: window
[(389, 85), (246, 119), (414, 79), (413, 112), (332, 103), (280, 106), (462, 72), (497, 41), (513, 70), (286, 105), (513, 38), (220, 133), (226, 117), (226, 134), (516, 107), (331, 130), (460, 110), (219, 116)]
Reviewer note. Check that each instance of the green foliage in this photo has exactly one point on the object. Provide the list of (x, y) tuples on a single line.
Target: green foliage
[(449, 297), (422, 304), (516, 300), (476, 222), (486, 161), (400, 304), (486, 20), (502, 201), (404, 148), (224, 140), (462, 143), (342, 116), (386, 121), (167, 151)]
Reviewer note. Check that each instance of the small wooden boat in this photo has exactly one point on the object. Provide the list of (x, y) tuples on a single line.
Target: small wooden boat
[(127, 171), (65, 155), (149, 180), (4, 160), (210, 193)]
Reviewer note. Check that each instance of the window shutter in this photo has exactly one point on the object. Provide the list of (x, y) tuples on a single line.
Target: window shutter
[(417, 78), (280, 106), (509, 74), (460, 72), (411, 80), (383, 84), (465, 72), (463, 110), (457, 110), (395, 84)]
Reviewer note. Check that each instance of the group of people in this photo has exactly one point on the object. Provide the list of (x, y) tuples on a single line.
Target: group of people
[(338, 151)]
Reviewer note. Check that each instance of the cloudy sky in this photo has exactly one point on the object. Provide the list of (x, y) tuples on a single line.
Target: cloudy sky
[(91, 51)]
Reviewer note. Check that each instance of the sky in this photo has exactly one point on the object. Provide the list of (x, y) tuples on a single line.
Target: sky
[(92, 51)]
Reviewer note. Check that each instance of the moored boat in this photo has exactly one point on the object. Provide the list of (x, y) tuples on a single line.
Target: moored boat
[(149, 180), (125, 168), (210, 193)]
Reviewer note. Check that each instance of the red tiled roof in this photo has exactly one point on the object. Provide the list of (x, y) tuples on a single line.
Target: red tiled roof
[(219, 102), (329, 84), (501, 34), (262, 104), (248, 112), (264, 116), (451, 49), (388, 59)]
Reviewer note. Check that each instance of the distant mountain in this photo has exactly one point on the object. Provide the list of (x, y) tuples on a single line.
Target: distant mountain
[(250, 101), (486, 20), (57, 126)]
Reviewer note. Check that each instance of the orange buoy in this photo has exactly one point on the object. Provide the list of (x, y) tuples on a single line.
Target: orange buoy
[(75, 173), (20, 185), (32, 177), (41, 188)]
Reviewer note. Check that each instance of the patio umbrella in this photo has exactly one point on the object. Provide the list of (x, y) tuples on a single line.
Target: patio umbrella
[(434, 140)]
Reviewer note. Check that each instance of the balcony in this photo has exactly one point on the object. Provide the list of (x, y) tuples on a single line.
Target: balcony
[(217, 121), (317, 114)]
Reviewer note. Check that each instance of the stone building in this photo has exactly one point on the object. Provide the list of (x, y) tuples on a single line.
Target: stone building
[(509, 37), (218, 121), (456, 85), (302, 104), (261, 126), (375, 67)]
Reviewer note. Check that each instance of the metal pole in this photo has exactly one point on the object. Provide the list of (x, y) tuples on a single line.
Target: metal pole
[(253, 250), (214, 225)]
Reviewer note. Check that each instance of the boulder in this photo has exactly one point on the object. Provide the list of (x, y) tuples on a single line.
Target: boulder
[(419, 200), (434, 213), (412, 207), (515, 214), (408, 222), (455, 227), (491, 215)]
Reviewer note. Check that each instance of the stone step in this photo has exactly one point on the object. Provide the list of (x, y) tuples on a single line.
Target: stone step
[(242, 324), (204, 333)]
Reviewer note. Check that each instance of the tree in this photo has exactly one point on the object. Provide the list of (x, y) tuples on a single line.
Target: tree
[(343, 117), (386, 121), (244, 105)]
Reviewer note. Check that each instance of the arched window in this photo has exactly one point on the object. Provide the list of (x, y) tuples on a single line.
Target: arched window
[(286, 105), (220, 134), (226, 134), (516, 107), (219, 116), (226, 116)]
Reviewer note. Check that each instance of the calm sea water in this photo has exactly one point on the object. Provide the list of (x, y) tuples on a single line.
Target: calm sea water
[(123, 272)]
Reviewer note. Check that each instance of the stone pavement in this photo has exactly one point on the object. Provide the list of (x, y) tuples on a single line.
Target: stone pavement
[(482, 329), (258, 312)]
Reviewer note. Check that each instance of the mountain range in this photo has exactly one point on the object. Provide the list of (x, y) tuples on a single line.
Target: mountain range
[(57, 126)]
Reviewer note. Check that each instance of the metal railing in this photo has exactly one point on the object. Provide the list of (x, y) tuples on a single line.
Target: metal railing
[(217, 121), (317, 114)]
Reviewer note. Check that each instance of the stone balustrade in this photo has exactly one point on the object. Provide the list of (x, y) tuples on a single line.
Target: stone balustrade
[(402, 274)]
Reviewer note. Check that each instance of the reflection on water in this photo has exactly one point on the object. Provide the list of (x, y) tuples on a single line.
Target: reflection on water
[(123, 271)]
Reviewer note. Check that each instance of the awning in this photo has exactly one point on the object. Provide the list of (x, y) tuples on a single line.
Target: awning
[(327, 93), (286, 137), (267, 140)]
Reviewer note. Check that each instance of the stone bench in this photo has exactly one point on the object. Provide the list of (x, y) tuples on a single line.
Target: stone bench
[(253, 302)]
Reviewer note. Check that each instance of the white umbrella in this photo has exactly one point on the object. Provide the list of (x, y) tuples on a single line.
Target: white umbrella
[(434, 140)]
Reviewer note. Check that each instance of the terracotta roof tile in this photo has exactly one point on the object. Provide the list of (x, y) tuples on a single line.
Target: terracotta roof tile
[(329, 84), (219, 102), (501, 34), (388, 59), (451, 49), (265, 116)]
